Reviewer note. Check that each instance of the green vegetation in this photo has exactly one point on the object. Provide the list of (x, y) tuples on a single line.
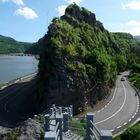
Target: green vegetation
[(13, 135), (9, 45), (134, 76), (78, 53), (135, 79), (84, 47), (132, 133), (78, 126)]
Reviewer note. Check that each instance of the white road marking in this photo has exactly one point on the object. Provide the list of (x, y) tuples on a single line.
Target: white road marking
[(119, 127), (125, 123), (109, 101), (133, 117), (118, 110), (129, 120)]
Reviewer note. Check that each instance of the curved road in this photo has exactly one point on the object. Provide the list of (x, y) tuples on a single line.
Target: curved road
[(12, 106), (121, 111), (118, 114)]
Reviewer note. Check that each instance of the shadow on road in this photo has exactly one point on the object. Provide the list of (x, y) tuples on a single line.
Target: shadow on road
[(18, 102)]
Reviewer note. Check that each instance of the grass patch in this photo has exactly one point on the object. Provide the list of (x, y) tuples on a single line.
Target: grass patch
[(132, 133), (134, 78), (78, 126), (13, 135)]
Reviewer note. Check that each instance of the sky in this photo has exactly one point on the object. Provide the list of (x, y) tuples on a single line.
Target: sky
[(28, 20)]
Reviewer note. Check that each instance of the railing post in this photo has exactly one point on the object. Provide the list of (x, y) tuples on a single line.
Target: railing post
[(47, 122), (65, 122), (106, 135), (60, 110), (90, 117), (71, 113), (54, 109), (51, 111), (59, 122), (68, 111)]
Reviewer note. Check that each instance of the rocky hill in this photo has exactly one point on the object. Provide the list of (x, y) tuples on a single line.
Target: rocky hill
[(9, 45), (80, 59)]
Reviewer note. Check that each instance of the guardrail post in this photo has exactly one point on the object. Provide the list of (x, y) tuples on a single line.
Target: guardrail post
[(90, 117), (60, 110), (54, 109), (51, 111), (106, 135), (59, 122), (71, 113), (65, 122), (68, 111), (47, 122)]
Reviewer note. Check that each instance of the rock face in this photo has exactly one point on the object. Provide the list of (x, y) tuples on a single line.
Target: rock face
[(31, 129), (81, 14), (78, 62)]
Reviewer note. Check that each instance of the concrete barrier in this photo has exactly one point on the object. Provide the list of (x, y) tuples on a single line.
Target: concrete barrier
[(20, 79)]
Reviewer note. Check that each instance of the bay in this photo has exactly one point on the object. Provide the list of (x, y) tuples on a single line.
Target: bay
[(12, 67)]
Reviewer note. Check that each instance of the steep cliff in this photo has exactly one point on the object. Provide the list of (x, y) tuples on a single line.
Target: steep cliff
[(78, 62)]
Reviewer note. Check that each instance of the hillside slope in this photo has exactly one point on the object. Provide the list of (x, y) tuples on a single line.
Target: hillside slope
[(9, 45), (80, 59)]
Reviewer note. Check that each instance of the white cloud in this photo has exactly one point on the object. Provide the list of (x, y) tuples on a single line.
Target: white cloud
[(133, 5), (61, 9), (132, 27), (74, 1), (135, 31), (18, 2), (26, 12), (134, 23)]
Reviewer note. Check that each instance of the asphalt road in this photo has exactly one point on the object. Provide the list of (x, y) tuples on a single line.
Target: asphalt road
[(117, 115), (11, 98), (121, 111)]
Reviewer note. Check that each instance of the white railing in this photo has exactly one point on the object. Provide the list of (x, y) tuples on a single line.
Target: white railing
[(61, 119), (96, 132)]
